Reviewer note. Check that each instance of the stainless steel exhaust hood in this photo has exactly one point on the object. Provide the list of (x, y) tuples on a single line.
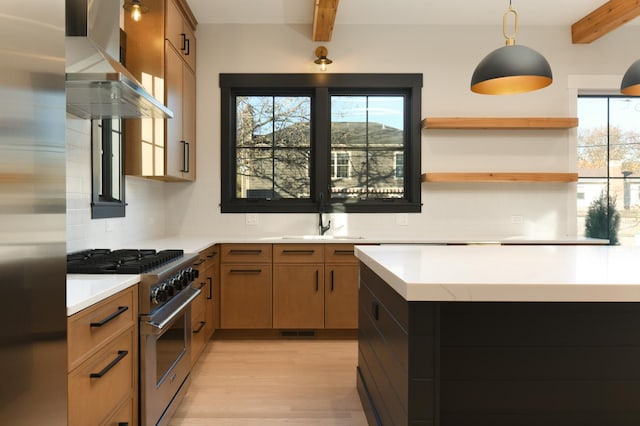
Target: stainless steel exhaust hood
[(97, 85)]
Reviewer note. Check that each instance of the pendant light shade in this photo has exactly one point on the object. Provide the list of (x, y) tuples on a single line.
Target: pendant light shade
[(631, 81), (511, 69)]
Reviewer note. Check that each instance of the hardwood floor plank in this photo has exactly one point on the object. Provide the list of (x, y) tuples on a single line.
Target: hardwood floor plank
[(274, 382)]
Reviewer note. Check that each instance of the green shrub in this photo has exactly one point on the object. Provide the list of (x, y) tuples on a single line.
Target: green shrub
[(603, 220)]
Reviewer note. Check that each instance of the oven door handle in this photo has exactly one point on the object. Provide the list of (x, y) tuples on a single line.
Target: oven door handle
[(159, 320)]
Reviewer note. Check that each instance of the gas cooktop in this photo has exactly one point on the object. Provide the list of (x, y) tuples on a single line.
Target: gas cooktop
[(125, 261)]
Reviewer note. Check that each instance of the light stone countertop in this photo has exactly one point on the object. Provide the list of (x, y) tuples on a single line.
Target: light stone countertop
[(508, 273), (83, 290)]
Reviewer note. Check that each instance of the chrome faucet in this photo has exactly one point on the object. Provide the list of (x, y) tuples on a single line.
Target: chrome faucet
[(321, 228)]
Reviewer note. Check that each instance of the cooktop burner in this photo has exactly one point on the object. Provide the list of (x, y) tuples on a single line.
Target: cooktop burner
[(126, 261)]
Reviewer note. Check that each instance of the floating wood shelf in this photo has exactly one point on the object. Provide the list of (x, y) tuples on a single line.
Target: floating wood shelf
[(499, 177), (499, 123)]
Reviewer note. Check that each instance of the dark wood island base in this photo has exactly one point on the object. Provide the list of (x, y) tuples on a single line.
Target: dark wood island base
[(496, 363)]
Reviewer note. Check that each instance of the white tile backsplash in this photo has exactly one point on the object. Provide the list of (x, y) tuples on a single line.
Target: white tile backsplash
[(145, 211)]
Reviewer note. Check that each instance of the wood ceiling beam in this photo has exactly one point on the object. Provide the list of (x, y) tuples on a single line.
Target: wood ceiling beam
[(324, 16), (603, 20)]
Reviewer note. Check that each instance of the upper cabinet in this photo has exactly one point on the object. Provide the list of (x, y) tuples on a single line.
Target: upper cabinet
[(161, 53)]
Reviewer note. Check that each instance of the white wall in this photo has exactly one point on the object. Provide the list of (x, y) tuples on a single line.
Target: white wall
[(446, 57), (145, 212)]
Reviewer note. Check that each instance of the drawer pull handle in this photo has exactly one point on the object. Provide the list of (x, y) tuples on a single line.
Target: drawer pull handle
[(200, 327), (184, 41), (246, 271), (210, 296), (209, 256), (343, 251), (245, 251), (105, 370), (332, 280), (298, 251), (123, 423), (199, 262), (376, 310), (120, 311), (317, 280)]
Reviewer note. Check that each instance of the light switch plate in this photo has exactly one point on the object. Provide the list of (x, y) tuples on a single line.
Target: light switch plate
[(402, 219), (251, 219)]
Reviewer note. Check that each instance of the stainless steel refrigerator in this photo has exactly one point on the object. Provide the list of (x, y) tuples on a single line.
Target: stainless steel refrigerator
[(33, 357)]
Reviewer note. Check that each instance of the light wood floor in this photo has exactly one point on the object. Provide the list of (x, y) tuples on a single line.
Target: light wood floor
[(274, 382)]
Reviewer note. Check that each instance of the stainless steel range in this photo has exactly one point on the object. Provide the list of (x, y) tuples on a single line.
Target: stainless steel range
[(165, 294)]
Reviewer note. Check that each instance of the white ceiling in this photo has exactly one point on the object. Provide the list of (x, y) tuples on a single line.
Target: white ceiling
[(430, 12)]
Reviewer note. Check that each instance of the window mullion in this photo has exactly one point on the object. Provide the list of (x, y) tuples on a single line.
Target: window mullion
[(321, 121)]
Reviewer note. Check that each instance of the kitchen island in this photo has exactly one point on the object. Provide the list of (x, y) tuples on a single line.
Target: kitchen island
[(499, 335)]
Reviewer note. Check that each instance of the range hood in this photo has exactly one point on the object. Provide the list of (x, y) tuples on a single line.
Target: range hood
[(97, 85)]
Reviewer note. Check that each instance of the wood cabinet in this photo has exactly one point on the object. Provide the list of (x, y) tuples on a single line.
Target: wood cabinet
[(341, 287), (204, 312), (102, 347), (246, 286), (298, 286), (161, 54), (312, 286)]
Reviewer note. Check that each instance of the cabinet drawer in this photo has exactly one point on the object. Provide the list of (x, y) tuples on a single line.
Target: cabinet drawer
[(298, 253), (100, 384), (207, 258), (125, 416), (339, 253), (91, 328), (245, 253)]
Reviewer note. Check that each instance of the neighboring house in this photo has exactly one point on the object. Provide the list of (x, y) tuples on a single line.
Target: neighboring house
[(366, 161)]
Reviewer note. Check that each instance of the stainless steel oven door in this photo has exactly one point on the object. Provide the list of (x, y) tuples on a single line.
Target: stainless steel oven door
[(165, 358)]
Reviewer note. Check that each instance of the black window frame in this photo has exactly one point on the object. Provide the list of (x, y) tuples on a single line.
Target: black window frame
[(102, 145), (321, 87)]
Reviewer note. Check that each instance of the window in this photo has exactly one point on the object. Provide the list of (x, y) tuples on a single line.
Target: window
[(107, 174), (608, 200), (290, 140), (399, 165), (340, 164)]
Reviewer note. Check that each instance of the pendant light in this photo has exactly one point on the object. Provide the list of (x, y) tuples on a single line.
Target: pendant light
[(631, 81), (322, 60), (511, 69), (136, 8)]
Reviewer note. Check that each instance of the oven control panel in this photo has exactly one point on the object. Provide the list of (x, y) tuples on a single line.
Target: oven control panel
[(162, 292)]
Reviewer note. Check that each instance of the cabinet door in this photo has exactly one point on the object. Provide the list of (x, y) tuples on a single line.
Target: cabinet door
[(245, 296), (175, 145), (298, 296), (341, 296), (174, 27), (198, 323), (189, 122)]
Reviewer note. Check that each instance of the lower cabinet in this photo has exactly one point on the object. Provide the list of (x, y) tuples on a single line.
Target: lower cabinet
[(103, 362), (298, 296), (199, 337), (341, 296), (288, 286)]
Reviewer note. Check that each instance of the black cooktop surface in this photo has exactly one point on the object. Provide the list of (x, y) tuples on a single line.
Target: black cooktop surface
[(126, 261)]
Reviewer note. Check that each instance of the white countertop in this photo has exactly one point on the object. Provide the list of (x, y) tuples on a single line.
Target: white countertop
[(84, 290), (507, 273)]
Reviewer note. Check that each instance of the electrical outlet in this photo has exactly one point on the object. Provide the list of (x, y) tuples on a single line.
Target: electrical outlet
[(516, 219), (402, 219), (251, 219)]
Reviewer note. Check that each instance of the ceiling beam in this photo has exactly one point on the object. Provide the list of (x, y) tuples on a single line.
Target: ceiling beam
[(604, 19), (324, 16)]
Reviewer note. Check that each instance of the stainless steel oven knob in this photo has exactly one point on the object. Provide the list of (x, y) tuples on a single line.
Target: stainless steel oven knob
[(169, 290), (155, 295), (176, 284)]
